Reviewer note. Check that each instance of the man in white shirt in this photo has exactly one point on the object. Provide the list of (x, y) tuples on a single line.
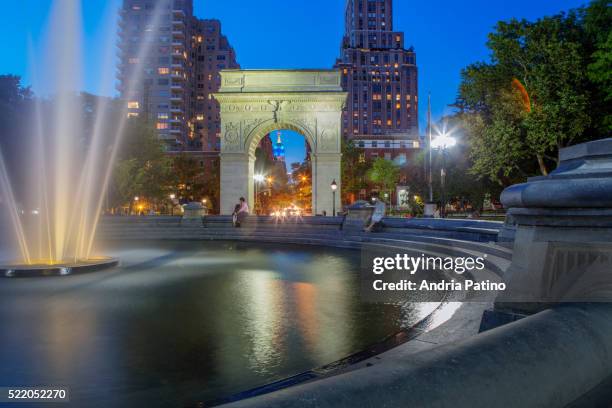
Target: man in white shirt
[(377, 215)]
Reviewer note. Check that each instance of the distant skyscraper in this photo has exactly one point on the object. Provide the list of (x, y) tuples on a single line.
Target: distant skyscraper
[(212, 52), (279, 157), (178, 75), (380, 76), (279, 148)]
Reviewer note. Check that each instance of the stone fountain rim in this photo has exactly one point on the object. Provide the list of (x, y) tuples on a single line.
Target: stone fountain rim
[(61, 269)]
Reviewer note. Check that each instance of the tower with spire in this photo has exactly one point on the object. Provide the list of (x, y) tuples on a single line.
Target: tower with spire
[(279, 148)]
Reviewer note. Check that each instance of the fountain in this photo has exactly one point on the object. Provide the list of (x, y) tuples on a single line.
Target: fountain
[(69, 157)]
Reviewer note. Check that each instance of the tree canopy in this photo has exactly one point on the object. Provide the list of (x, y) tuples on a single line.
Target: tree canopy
[(546, 87)]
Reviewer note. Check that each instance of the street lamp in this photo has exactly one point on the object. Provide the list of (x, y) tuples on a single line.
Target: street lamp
[(334, 187), (172, 197), (442, 142), (259, 178)]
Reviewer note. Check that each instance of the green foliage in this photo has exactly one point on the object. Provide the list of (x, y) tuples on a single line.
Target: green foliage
[(384, 173), (354, 170), (597, 21), (547, 86), (142, 168)]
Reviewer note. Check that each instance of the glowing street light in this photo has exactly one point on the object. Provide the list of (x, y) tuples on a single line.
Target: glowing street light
[(136, 198), (334, 187), (172, 197), (259, 178), (442, 142)]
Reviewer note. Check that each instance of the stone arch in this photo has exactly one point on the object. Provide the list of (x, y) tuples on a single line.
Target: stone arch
[(256, 102)]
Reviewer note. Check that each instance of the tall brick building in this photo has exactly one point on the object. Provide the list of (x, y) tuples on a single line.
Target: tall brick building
[(380, 76), (177, 76)]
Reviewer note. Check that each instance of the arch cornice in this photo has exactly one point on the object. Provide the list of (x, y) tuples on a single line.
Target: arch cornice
[(290, 102)]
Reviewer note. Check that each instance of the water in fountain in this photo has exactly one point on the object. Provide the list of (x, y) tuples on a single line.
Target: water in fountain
[(70, 152)]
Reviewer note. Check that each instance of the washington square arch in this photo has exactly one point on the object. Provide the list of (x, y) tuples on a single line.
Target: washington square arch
[(255, 102)]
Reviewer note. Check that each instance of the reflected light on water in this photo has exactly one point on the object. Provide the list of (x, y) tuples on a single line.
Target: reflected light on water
[(305, 295), (266, 299)]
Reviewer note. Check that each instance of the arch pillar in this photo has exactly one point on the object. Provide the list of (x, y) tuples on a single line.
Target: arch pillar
[(325, 169), (237, 171)]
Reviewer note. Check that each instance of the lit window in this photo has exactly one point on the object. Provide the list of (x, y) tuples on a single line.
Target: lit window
[(132, 114), (162, 125), (398, 105), (388, 97), (163, 71), (389, 122), (162, 115), (397, 97), (133, 105), (199, 117)]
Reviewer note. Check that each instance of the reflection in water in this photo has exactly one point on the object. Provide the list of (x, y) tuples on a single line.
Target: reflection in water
[(305, 295), (186, 322), (264, 309)]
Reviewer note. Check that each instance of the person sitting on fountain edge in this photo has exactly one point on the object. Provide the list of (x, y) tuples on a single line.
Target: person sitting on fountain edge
[(375, 223), (240, 212)]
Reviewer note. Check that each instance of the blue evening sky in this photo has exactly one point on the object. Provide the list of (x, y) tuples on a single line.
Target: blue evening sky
[(447, 36)]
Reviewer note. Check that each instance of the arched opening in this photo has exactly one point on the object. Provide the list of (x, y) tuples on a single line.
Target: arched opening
[(282, 180)]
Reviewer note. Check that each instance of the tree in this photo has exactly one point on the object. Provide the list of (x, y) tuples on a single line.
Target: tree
[(385, 174), (142, 168), (354, 171), (597, 21), (537, 94), (16, 104), (301, 175)]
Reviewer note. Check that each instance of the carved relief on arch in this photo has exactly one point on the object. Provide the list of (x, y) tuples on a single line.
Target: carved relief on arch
[(329, 137), (231, 137), (309, 126), (249, 125)]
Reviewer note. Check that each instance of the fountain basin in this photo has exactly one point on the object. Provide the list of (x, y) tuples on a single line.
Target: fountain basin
[(57, 269)]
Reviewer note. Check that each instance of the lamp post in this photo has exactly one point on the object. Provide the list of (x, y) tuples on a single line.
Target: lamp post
[(334, 186), (136, 202), (259, 178), (172, 197), (441, 143)]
